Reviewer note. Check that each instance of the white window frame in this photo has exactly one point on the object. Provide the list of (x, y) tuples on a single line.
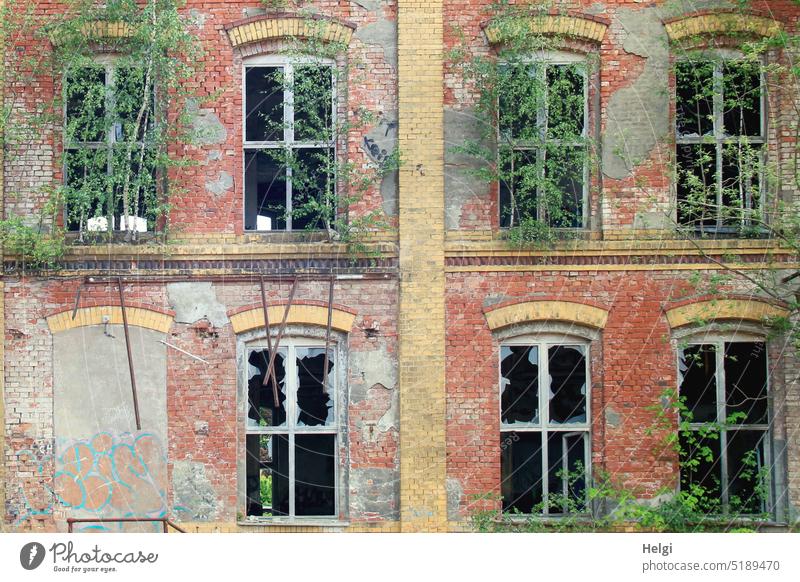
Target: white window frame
[(548, 58), (719, 138), (291, 429), (288, 141), (718, 340), (543, 343)]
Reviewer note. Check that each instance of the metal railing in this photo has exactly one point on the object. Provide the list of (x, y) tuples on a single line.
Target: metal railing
[(71, 521)]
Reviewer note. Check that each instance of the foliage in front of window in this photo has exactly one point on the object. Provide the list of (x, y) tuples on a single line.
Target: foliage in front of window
[(531, 111), (296, 135)]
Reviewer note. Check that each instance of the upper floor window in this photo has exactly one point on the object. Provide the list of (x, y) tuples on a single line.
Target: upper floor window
[(544, 426), (724, 440), (720, 137), (542, 142), (289, 143), (109, 158)]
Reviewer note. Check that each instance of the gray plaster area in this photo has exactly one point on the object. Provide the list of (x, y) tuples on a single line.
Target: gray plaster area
[(92, 389), (455, 492), (207, 129), (371, 368), (383, 33), (389, 193), (613, 418), (195, 301), (637, 113), (221, 185), (194, 496), (461, 183), (375, 491)]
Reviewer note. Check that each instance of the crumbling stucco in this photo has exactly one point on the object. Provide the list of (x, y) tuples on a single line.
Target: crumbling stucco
[(612, 417), (221, 185), (383, 33), (462, 185), (373, 492), (194, 496), (455, 492), (207, 129), (373, 367), (195, 301)]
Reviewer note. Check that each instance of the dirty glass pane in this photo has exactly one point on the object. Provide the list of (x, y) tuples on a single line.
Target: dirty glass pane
[(565, 101), (312, 186), (262, 409), (265, 190), (313, 103), (747, 471), (264, 119), (567, 371), (697, 373), (697, 185), (694, 107), (86, 105), (267, 470), (315, 474), (314, 404), (521, 101), (566, 474), (519, 384), (521, 471), (746, 382), (700, 470), (742, 98)]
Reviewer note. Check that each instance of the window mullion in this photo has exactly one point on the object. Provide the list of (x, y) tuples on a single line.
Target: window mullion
[(722, 420), (291, 394), (719, 137), (288, 136), (544, 416)]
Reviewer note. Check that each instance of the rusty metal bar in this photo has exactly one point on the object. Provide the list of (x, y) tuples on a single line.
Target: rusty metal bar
[(77, 301), (164, 520), (270, 371), (271, 366), (328, 336), (164, 523), (130, 355)]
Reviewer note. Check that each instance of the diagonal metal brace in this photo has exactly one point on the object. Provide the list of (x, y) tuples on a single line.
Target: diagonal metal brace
[(328, 336), (130, 355), (270, 370), (274, 353)]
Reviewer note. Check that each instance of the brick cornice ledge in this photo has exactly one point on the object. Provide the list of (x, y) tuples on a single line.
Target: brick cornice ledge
[(272, 26), (720, 23), (565, 311), (580, 26)]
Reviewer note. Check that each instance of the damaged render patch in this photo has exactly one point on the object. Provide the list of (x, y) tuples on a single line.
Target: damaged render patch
[(194, 496), (195, 301), (207, 129), (372, 367), (383, 33), (454, 494), (612, 417), (221, 185), (374, 492), (462, 185)]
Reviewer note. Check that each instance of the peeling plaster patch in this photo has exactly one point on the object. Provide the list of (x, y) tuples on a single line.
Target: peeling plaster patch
[(371, 368), (214, 155), (206, 126), (195, 301), (389, 193), (221, 185), (682, 7), (494, 299), (390, 418), (369, 5), (455, 492), (612, 417), (195, 498), (374, 492), (636, 113), (250, 12), (462, 186), (383, 33), (380, 142), (198, 18)]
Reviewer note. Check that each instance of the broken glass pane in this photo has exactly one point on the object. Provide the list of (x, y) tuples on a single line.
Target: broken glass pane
[(567, 369), (265, 190), (521, 471), (566, 475), (742, 98), (313, 103), (747, 471), (262, 409), (698, 382), (746, 382), (700, 469), (314, 404), (694, 107), (565, 101), (264, 118), (315, 474), (519, 385), (267, 475), (697, 185), (86, 105)]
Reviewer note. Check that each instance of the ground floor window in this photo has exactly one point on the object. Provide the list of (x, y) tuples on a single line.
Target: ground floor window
[(724, 438), (292, 432), (544, 427)]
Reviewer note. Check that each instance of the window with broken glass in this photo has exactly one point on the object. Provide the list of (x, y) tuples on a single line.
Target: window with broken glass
[(542, 143), (109, 162), (289, 143), (292, 432), (544, 427), (725, 430), (720, 136)]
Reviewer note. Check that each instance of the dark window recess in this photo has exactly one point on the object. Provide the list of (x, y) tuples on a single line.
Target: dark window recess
[(86, 105), (521, 471), (267, 475), (565, 102), (265, 190), (262, 409), (567, 369), (697, 185), (520, 377), (264, 116), (563, 186), (315, 474), (746, 466), (313, 401), (520, 103), (567, 472), (311, 186), (698, 370), (742, 98), (701, 468), (313, 104), (746, 382), (695, 98)]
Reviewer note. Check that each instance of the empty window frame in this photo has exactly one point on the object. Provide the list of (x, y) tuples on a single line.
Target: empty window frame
[(720, 135), (544, 427), (542, 142), (109, 155), (725, 449), (289, 137), (292, 464)]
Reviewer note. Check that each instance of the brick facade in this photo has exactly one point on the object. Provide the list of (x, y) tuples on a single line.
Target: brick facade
[(420, 327)]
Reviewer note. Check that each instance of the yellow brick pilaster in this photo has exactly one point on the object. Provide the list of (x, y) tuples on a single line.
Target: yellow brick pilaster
[(2, 298), (423, 500)]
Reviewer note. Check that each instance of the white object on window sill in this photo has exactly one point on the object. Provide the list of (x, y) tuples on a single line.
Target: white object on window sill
[(263, 223), (98, 224), (134, 223)]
